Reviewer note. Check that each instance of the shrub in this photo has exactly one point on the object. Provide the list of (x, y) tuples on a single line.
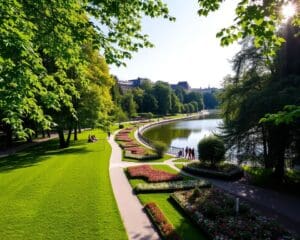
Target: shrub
[(211, 149), (121, 126), (160, 148), (147, 115)]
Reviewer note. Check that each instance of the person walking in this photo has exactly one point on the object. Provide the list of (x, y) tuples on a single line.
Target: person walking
[(186, 152), (193, 153)]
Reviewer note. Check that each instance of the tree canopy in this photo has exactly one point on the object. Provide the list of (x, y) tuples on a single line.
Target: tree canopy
[(43, 67), (258, 19)]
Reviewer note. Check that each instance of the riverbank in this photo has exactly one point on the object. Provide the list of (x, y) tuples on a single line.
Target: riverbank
[(166, 133)]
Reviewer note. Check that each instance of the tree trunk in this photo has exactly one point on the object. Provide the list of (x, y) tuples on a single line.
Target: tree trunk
[(278, 142), (69, 137), (267, 159), (43, 133), (75, 132), (62, 142), (9, 135)]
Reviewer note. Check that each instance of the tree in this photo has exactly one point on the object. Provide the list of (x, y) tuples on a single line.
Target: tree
[(196, 97), (150, 104), (41, 54), (138, 96), (176, 104), (257, 89), (162, 93), (256, 19), (128, 104), (210, 101)]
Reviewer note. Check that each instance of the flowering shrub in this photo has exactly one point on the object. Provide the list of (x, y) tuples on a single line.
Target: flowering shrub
[(165, 228), (213, 211), (152, 175), (170, 186)]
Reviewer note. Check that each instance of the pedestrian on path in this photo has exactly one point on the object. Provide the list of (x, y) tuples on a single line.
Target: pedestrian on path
[(186, 152)]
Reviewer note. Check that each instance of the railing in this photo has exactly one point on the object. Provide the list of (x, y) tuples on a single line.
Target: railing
[(175, 150), (145, 140)]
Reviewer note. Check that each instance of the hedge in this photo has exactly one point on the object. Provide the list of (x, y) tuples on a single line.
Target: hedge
[(170, 186)]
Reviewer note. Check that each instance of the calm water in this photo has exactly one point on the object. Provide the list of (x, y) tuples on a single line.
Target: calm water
[(183, 133)]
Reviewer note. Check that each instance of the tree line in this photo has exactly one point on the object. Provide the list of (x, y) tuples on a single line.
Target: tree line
[(159, 99)]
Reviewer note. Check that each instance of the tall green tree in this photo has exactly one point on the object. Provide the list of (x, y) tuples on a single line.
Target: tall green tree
[(162, 93), (41, 53), (129, 105)]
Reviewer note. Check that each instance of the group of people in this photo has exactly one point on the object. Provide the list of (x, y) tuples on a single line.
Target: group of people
[(188, 153), (92, 138)]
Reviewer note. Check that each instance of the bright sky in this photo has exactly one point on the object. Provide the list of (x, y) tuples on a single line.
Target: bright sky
[(186, 50)]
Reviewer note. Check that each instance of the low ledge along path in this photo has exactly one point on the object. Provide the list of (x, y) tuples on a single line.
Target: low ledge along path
[(135, 220)]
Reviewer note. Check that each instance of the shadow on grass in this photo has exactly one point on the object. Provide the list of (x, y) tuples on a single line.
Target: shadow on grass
[(38, 153)]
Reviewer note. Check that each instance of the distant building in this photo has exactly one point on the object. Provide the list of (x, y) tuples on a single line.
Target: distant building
[(183, 84), (130, 84)]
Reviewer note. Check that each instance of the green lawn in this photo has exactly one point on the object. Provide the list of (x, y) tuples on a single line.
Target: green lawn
[(184, 227), (182, 160), (49, 193)]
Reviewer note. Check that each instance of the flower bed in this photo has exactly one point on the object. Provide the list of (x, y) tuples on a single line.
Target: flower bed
[(224, 171), (165, 229), (132, 149), (135, 150), (151, 175), (129, 144), (170, 186), (213, 211)]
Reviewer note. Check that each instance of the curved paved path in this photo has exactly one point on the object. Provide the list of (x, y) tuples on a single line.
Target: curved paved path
[(136, 222)]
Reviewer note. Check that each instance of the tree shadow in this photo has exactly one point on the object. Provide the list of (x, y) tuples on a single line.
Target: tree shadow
[(38, 153)]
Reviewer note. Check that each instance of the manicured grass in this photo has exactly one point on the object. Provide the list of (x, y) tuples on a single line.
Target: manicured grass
[(182, 160), (51, 193), (183, 226), (179, 165)]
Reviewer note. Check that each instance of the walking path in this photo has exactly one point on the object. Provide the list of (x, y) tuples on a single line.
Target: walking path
[(137, 224)]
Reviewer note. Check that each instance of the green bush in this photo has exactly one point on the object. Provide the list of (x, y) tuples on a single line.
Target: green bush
[(211, 149), (147, 115), (160, 148)]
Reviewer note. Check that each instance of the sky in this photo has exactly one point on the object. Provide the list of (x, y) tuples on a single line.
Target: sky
[(185, 50)]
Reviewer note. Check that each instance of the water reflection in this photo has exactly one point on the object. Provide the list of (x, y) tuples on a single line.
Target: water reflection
[(184, 133)]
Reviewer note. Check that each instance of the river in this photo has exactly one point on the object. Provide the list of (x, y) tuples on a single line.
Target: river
[(183, 133)]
